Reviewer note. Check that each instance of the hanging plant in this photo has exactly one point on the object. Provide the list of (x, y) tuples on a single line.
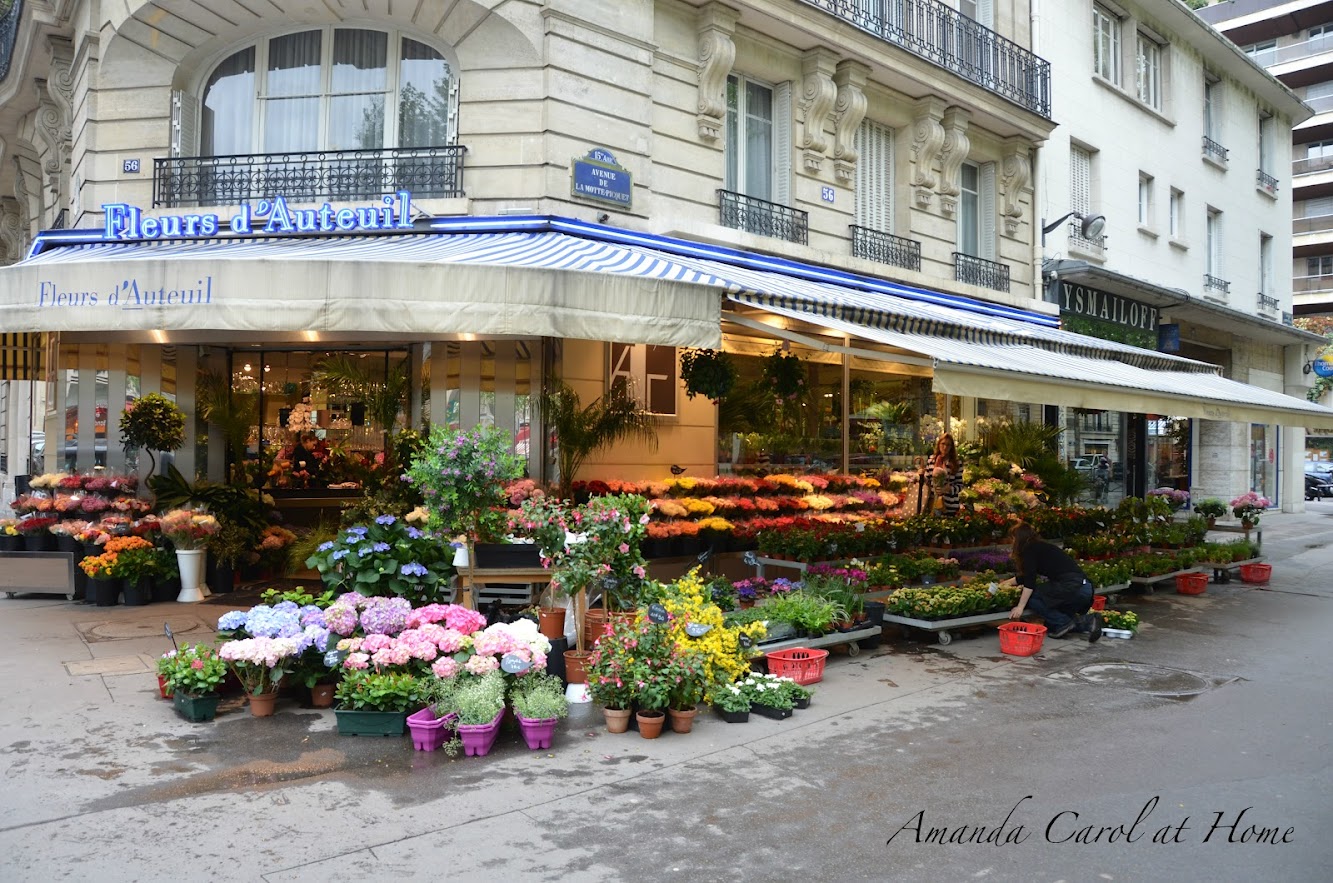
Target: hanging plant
[(784, 373), (709, 373)]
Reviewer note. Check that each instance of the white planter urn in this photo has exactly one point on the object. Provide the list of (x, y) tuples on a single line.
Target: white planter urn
[(191, 564)]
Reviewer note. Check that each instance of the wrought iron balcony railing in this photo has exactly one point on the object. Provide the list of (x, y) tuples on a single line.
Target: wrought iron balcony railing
[(885, 248), (1215, 284), (944, 36), (1265, 180), (979, 271), (741, 212), (62, 218), (1267, 304), (1212, 149), (336, 175), (1076, 238), (9, 31)]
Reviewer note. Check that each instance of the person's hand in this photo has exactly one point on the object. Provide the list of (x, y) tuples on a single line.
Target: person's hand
[(1016, 613)]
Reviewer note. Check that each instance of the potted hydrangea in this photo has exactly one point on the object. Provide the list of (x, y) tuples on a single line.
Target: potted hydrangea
[(1211, 509), (260, 664), (1248, 507)]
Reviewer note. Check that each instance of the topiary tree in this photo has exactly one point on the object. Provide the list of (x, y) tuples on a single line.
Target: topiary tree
[(152, 423)]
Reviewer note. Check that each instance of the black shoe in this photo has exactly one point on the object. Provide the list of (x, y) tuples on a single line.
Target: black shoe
[(1061, 631), (1095, 633)]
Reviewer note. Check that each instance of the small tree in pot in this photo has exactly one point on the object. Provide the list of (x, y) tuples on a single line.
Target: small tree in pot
[(152, 423)]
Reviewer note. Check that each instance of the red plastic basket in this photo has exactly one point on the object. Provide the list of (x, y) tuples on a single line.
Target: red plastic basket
[(1021, 638), (801, 664), (1255, 574), (1098, 602), (1191, 583)]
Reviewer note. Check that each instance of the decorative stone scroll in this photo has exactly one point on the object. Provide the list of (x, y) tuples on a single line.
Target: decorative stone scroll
[(717, 53)]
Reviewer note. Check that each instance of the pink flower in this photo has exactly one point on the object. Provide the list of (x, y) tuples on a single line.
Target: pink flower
[(624, 548), (445, 667)]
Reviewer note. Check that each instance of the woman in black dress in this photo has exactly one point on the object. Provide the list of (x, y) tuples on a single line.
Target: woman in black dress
[(1063, 598)]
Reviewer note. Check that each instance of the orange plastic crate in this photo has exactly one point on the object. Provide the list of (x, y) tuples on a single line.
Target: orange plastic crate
[(1191, 583), (801, 664), (1255, 574), (1021, 638)]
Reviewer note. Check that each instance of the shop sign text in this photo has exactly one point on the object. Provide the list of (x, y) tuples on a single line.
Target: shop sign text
[(124, 222), (1082, 300)]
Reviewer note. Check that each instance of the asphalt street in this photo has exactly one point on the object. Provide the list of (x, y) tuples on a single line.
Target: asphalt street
[(1196, 751)]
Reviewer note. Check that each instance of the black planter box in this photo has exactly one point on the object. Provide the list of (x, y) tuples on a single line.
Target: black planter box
[(506, 556), (874, 612), (734, 717), (139, 592), (776, 714), (555, 660), (802, 703)]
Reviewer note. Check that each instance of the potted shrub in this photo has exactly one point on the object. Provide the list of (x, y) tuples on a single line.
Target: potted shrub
[(539, 702), (1248, 507), (152, 423), (226, 551), (374, 703), (193, 678), (1211, 509), (688, 691), (386, 557), (709, 373), (260, 664), (608, 677), (479, 703), (137, 570), (652, 668)]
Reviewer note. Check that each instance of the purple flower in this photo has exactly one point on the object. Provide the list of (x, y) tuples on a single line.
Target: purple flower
[(413, 533), (340, 554), (385, 519), (380, 547), (413, 569)]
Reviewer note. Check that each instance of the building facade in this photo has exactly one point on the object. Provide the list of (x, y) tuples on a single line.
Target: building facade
[(284, 212)]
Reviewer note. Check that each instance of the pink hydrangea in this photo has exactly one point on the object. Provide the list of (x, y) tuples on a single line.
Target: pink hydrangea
[(341, 617), (431, 613), (445, 667), (357, 661), (393, 655), (451, 641), (351, 645), (461, 619), (480, 665), (374, 643)]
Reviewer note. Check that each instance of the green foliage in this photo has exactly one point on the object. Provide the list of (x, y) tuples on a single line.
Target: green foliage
[(152, 423), (769, 691), (951, 601), (1211, 508), (1106, 573), (228, 503), (804, 610), (462, 476), (372, 691), (709, 373), (385, 557), (1111, 330), (539, 696), (300, 597), (135, 564), (193, 671), (385, 491), (231, 544), (477, 700), (582, 431), (731, 698), (1116, 619), (230, 411)]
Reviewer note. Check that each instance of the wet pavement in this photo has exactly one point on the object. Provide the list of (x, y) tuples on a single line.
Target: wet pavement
[(1219, 704)]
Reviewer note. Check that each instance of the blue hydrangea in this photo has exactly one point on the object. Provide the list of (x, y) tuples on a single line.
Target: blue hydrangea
[(229, 622), (413, 533), (385, 519), (358, 531), (381, 547), (363, 551), (413, 569), (286, 607), (340, 554), (324, 547)]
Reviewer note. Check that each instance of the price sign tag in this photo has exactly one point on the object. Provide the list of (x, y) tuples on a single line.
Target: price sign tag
[(657, 613), (697, 629), (512, 663), (750, 559)]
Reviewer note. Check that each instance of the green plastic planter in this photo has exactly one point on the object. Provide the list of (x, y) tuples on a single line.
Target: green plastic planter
[(371, 723), (196, 709)]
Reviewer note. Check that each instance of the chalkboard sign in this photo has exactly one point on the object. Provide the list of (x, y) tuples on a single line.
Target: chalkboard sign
[(334, 658), (657, 613), (512, 663), (745, 641), (750, 559)]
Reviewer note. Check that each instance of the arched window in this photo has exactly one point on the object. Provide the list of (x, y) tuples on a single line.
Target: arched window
[(328, 89)]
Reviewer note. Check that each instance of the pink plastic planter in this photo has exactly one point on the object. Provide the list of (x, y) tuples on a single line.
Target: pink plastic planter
[(428, 731), (537, 733), (479, 739)]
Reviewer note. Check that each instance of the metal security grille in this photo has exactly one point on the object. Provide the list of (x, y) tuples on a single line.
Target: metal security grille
[(741, 212), (875, 245), (342, 175)]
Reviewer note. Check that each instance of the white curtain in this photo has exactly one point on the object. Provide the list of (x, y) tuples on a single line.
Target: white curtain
[(359, 83), (229, 107), (291, 113), (424, 97)]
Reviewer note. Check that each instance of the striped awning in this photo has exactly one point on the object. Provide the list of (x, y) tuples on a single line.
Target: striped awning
[(21, 356), (1026, 372)]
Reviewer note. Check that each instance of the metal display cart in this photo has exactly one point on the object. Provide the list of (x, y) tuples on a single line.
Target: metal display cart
[(1222, 570)]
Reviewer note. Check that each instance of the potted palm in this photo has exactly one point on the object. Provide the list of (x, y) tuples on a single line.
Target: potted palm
[(539, 703), (582, 431)]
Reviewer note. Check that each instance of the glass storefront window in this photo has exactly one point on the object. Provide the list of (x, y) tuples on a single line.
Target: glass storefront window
[(1095, 442), (1263, 461), (1168, 452)]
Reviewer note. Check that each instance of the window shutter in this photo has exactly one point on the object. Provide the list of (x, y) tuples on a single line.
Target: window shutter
[(184, 124), (874, 176), (1080, 180), (986, 12), (986, 208), (782, 122)]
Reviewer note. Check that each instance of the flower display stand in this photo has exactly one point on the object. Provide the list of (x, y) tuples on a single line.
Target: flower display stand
[(1222, 570), (479, 739), (191, 564), (945, 628), (1148, 583), (537, 733), (370, 723), (852, 639), (428, 731)]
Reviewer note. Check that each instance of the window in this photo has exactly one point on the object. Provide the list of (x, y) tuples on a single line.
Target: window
[(1148, 62), (1319, 149), (1264, 53), (328, 89), (874, 176), (1266, 145), (1321, 266), (1105, 44), (1177, 205), (1265, 264), (749, 147), (1214, 255), (1211, 90), (976, 210), (1081, 197), (1145, 200), (980, 11)]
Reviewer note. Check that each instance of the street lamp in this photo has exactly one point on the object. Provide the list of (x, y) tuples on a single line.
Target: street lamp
[(1093, 225)]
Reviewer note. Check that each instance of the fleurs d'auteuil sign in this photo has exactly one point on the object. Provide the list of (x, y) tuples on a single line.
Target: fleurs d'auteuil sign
[(1082, 300)]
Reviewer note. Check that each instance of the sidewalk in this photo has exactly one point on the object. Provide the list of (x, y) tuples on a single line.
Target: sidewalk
[(89, 753)]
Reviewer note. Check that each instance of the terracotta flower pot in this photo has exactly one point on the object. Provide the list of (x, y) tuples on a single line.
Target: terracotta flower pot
[(575, 662), (650, 723), (262, 705), (551, 622), (594, 626), (321, 695), (682, 719), (617, 719)]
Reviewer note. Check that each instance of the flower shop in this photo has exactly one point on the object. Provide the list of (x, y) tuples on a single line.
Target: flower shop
[(662, 598)]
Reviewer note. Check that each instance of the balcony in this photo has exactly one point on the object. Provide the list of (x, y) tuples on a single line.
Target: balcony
[(1095, 246), (885, 248), (1316, 224), (336, 176), (978, 271), (1308, 284), (1310, 164), (941, 35), (741, 212), (1265, 182), (1215, 287), (1214, 151), (1268, 306)]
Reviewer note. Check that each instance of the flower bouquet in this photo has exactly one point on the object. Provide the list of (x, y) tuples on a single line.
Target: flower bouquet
[(188, 529), (35, 525)]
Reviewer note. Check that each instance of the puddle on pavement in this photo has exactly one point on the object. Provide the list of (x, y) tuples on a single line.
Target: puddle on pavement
[(1173, 683)]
